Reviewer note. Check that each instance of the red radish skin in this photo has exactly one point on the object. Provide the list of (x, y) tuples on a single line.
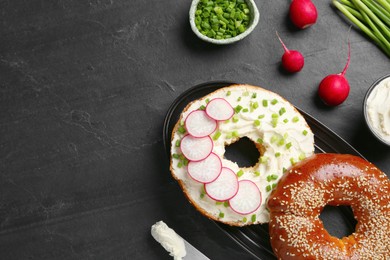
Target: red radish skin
[(248, 198), (303, 13), (334, 89), (219, 109), (292, 60), (207, 170), (196, 148), (199, 124), (224, 187)]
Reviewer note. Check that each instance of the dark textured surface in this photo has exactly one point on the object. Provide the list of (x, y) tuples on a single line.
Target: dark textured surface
[(85, 86)]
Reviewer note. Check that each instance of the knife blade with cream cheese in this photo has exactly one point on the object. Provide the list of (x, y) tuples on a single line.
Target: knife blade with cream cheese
[(177, 247)]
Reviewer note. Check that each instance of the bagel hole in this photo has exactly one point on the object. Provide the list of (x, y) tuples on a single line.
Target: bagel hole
[(244, 152), (338, 220)]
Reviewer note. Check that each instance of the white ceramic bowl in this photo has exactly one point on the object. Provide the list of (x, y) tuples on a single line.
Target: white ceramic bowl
[(252, 24), (366, 115)]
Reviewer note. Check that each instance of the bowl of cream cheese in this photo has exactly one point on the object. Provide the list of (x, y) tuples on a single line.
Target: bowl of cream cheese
[(377, 109)]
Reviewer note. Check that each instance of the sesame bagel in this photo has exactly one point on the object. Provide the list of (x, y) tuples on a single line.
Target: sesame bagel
[(277, 129), (330, 179)]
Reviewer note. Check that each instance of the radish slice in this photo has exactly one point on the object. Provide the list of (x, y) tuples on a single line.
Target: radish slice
[(207, 170), (219, 109), (247, 199), (196, 149), (199, 124), (224, 187)]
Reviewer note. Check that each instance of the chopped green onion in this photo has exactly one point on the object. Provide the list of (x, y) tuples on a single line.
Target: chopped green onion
[(263, 159), (274, 101), (293, 162), (295, 119), (288, 145), (304, 132), (253, 218), (177, 144), (274, 121), (216, 135), (277, 154), (228, 93), (254, 95), (256, 122), (265, 103), (282, 111), (254, 105), (185, 162), (235, 119), (181, 130), (256, 173), (240, 173), (226, 204), (272, 177), (245, 110), (238, 108), (259, 140), (221, 215)]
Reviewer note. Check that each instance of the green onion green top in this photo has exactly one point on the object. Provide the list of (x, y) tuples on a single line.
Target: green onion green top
[(238, 108), (240, 173), (216, 135), (253, 218)]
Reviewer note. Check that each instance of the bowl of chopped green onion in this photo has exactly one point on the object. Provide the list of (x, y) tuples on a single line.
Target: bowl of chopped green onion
[(223, 21)]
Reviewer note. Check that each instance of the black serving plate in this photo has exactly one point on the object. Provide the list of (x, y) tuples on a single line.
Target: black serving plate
[(338, 221)]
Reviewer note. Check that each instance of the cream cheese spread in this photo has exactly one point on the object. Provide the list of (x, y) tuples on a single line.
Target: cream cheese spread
[(269, 121), (168, 238), (378, 109)]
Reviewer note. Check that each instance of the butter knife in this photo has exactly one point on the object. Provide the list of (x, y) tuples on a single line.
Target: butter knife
[(193, 253)]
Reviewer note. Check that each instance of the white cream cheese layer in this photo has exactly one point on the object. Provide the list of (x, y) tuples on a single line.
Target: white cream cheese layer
[(168, 238), (265, 118), (378, 109)]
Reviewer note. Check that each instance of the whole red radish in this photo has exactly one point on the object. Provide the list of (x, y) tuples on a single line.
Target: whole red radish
[(303, 13), (334, 89), (292, 60)]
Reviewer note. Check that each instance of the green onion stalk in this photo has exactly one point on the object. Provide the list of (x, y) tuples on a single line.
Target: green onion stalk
[(371, 16)]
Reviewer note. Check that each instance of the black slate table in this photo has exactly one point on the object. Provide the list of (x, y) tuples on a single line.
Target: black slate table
[(84, 88)]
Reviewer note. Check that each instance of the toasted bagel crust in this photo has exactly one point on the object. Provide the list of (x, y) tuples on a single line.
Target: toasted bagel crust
[(330, 179)]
